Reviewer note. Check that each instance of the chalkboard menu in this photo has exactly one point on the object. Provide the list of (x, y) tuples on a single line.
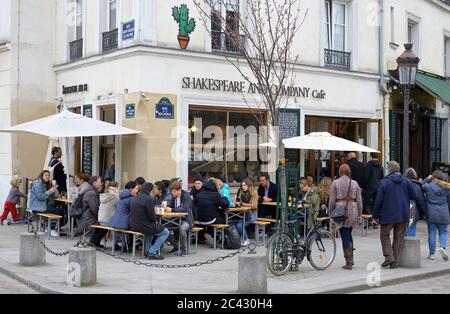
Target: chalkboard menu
[(86, 163), (394, 132), (289, 122)]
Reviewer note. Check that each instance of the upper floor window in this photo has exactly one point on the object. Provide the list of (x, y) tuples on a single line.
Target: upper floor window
[(225, 27), (75, 29), (447, 56), (110, 35), (413, 35), (336, 35), (112, 14)]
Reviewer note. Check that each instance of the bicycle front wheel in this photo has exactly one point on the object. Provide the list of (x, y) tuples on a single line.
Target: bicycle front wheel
[(277, 259), (322, 250)]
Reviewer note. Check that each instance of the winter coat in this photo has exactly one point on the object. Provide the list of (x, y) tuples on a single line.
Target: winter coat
[(437, 194), (185, 207), (421, 204), (210, 204), (338, 197), (374, 172), (225, 192), (142, 213), (107, 205), (90, 204), (39, 197), (58, 174), (392, 204), (358, 172), (121, 217)]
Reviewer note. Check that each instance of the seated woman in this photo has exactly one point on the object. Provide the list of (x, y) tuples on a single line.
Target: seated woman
[(108, 200), (210, 207), (42, 198), (247, 197)]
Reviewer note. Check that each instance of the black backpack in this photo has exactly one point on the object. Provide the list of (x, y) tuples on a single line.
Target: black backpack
[(76, 209), (232, 238)]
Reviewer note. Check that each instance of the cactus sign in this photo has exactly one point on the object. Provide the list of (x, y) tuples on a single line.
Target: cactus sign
[(185, 25)]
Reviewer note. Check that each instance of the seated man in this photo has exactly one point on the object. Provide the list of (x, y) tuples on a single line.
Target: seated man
[(181, 203), (267, 192), (143, 220)]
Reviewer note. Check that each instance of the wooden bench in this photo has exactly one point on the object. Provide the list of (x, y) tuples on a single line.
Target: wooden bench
[(193, 234), (260, 225), (266, 219), (221, 228), (49, 218)]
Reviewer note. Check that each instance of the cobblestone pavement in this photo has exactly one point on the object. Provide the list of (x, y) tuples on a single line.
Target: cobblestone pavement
[(11, 286), (438, 285)]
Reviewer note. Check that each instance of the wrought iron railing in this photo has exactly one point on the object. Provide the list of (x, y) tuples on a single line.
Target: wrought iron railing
[(220, 42), (110, 40), (76, 49), (337, 59)]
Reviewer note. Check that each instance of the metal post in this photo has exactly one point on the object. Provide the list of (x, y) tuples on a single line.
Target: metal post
[(406, 128)]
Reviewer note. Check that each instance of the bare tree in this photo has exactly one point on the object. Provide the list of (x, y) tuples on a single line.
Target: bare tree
[(263, 34)]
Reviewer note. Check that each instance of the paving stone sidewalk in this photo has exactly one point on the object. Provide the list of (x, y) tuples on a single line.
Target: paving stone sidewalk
[(115, 276)]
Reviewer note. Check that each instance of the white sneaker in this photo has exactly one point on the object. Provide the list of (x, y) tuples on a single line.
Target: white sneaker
[(54, 233), (431, 257), (246, 242), (443, 254)]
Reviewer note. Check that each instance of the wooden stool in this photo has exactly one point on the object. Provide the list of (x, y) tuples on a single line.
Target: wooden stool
[(136, 236), (49, 218), (260, 225), (221, 228)]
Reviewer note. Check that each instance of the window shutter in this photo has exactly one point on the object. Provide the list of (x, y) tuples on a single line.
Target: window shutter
[(435, 140), (393, 131)]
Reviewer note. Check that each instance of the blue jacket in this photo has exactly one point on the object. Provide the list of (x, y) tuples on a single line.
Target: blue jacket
[(392, 204), (121, 217), (39, 197), (437, 194), (225, 192)]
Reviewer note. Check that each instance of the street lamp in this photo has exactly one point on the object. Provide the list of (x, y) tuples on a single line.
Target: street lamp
[(407, 70)]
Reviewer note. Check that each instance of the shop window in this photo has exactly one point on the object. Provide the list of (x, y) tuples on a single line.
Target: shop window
[(224, 144)]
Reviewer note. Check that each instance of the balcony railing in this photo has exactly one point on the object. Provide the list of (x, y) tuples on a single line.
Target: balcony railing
[(447, 2), (337, 59), (76, 49), (220, 42), (110, 40)]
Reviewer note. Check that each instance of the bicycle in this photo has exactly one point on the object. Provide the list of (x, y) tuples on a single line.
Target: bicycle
[(286, 249)]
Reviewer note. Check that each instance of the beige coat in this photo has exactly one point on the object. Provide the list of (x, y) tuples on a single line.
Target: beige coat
[(338, 196)]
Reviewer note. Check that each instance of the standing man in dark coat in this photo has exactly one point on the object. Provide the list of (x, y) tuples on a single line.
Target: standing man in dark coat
[(58, 170), (143, 220), (374, 172), (358, 171), (392, 211)]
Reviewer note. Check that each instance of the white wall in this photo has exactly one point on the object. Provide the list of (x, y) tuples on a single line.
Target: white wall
[(5, 20)]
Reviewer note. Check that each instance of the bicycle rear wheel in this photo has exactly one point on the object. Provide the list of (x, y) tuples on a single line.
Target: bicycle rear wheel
[(278, 261), (322, 249)]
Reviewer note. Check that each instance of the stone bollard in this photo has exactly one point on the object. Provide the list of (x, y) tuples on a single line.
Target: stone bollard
[(82, 267), (252, 273), (32, 253), (410, 255)]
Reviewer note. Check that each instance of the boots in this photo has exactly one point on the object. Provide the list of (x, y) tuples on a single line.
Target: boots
[(348, 254)]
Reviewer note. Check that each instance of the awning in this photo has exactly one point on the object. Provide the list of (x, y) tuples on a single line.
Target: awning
[(436, 85)]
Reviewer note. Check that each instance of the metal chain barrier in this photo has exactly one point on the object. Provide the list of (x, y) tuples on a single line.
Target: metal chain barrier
[(83, 243)]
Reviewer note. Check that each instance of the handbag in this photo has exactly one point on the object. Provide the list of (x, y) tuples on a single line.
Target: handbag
[(339, 214)]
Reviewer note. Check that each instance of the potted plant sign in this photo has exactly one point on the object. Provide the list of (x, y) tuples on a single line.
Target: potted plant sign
[(186, 25)]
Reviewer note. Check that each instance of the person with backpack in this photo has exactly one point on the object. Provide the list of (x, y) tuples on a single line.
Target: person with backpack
[(418, 208), (437, 194), (42, 196), (56, 169)]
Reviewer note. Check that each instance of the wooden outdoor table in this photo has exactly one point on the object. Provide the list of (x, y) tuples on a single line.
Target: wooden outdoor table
[(236, 214), (172, 221)]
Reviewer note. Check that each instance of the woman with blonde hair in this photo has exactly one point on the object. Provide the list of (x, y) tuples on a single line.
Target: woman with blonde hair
[(325, 189), (247, 197), (346, 192)]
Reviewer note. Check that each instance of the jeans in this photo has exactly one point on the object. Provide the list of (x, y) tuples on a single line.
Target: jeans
[(160, 239), (183, 237), (240, 225), (346, 236), (442, 229), (411, 231)]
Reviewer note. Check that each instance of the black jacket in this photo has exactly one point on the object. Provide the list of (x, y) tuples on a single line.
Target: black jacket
[(58, 174), (185, 207), (273, 192), (142, 213), (210, 204), (358, 172), (375, 174)]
